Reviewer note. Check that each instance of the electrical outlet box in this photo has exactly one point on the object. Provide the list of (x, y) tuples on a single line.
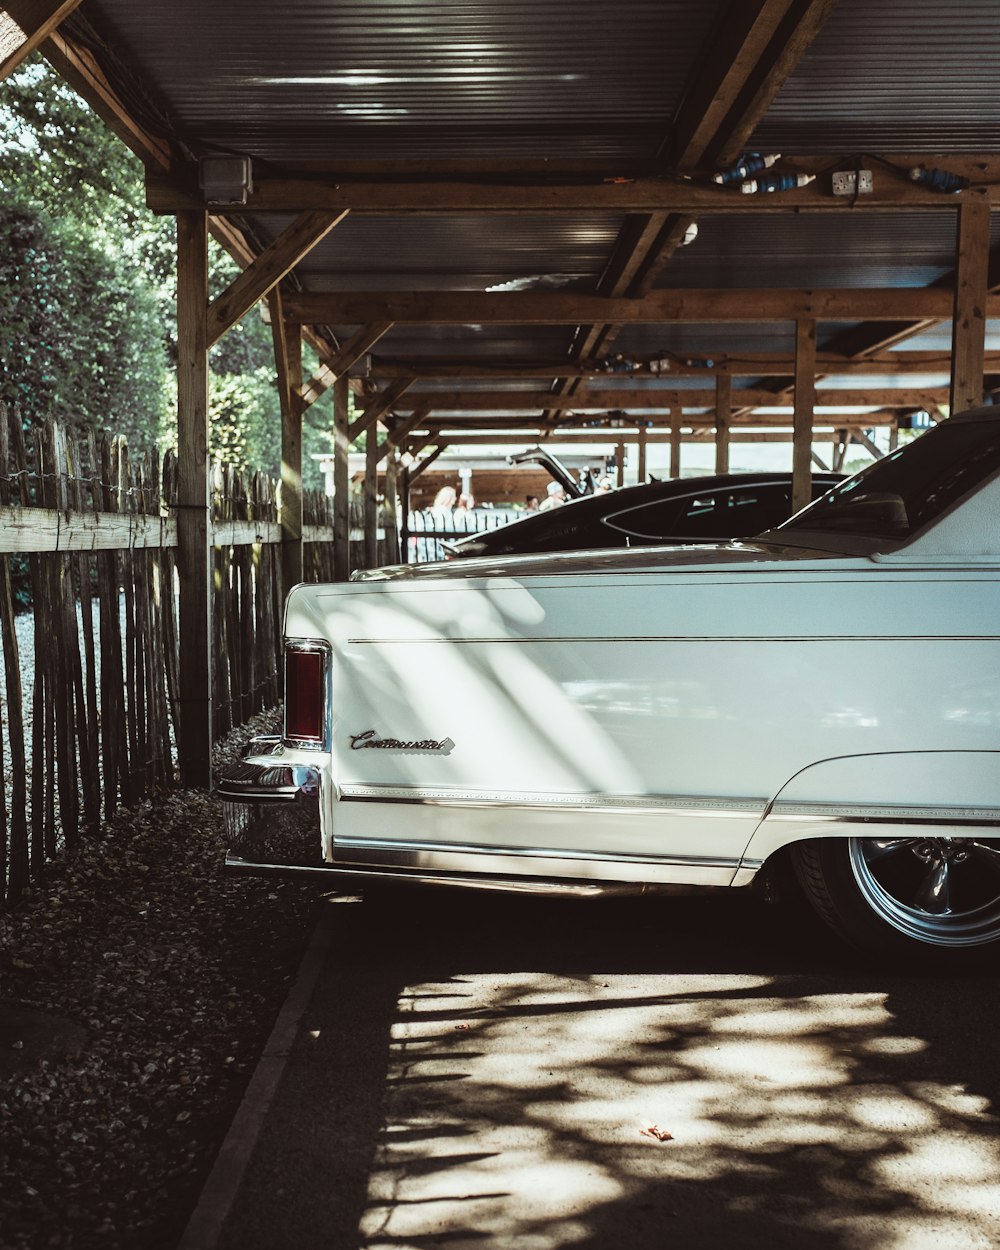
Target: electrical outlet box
[(852, 182)]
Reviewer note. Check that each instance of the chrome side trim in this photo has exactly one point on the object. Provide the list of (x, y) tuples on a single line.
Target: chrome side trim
[(684, 805), (407, 848), (746, 873), (513, 885), (604, 640), (835, 813)]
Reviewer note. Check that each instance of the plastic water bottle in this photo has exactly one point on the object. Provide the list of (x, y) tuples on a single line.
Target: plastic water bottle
[(750, 163), (776, 182), (939, 179)]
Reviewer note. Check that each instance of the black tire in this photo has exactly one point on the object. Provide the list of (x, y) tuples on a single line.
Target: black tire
[(928, 902)]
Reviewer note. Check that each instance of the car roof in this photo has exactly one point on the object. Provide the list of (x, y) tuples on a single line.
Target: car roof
[(625, 497)]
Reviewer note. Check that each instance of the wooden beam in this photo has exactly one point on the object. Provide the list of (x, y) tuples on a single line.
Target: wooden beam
[(723, 419), (640, 468), (390, 509), (894, 190), (279, 338), (341, 482), (79, 67), (793, 34), (416, 470), (969, 322), (397, 434), (363, 340), (288, 361), (675, 444), (869, 340), (371, 498), (748, 364), (734, 54), (805, 397), (378, 405), (25, 25), (194, 516), (611, 438), (860, 436), (655, 398), (559, 308), (267, 270)]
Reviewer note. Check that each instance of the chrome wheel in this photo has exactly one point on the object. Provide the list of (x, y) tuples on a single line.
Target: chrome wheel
[(939, 891)]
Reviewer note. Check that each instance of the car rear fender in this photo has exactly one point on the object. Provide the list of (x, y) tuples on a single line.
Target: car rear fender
[(891, 794)]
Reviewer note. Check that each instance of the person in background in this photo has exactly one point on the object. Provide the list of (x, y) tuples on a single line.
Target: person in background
[(466, 502), (444, 500), (531, 503), (604, 484), (555, 497)]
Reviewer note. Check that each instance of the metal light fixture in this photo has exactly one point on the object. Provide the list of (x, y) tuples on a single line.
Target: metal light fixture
[(225, 179)]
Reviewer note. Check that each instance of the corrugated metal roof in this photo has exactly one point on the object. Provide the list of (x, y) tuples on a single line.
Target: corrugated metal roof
[(415, 87), (842, 250), (895, 76), (413, 81), (462, 252)]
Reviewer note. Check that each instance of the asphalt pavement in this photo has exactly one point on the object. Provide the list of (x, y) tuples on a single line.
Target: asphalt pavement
[(471, 1070)]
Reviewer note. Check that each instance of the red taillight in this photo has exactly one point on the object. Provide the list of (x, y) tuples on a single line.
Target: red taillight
[(304, 686)]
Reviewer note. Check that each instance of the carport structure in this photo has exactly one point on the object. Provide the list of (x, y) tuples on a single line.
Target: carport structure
[(500, 218)]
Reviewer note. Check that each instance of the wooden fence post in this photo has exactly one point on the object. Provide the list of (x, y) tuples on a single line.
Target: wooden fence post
[(341, 484), (194, 521)]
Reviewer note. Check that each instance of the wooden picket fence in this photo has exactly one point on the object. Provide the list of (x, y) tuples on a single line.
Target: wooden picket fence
[(91, 674)]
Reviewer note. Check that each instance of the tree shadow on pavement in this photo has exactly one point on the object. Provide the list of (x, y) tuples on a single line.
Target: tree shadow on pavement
[(480, 1068)]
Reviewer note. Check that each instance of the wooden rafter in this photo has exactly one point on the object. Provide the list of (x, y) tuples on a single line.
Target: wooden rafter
[(25, 25), (871, 341), (969, 320), (772, 50), (660, 306), (352, 351), (267, 270), (279, 337), (893, 192), (78, 66), (402, 427), (756, 47), (378, 406), (656, 397), (427, 461), (747, 364)]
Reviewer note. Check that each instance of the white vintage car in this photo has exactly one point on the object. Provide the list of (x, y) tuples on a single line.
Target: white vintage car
[(825, 696)]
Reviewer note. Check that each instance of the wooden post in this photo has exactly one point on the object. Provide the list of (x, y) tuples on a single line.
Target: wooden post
[(805, 398), (288, 354), (641, 468), (968, 341), (723, 416), (390, 508), (194, 520), (341, 484), (371, 497), (404, 507), (620, 464), (675, 444)]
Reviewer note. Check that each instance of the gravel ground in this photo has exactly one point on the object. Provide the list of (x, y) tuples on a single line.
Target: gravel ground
[(138, 985)]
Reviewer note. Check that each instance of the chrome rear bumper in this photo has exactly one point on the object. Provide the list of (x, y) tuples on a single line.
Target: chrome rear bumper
[(271, 812)]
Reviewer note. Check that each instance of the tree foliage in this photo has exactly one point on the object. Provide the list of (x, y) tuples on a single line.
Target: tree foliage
[(82, 336), (88, 291)]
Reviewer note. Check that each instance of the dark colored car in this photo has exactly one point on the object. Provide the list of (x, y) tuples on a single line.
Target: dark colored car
[(699, 509)]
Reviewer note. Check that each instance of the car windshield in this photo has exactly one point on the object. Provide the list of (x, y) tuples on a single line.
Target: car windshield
[(900, 494)]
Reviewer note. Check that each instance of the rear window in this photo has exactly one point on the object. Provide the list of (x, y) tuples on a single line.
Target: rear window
[(908, 489), (718, 514)]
